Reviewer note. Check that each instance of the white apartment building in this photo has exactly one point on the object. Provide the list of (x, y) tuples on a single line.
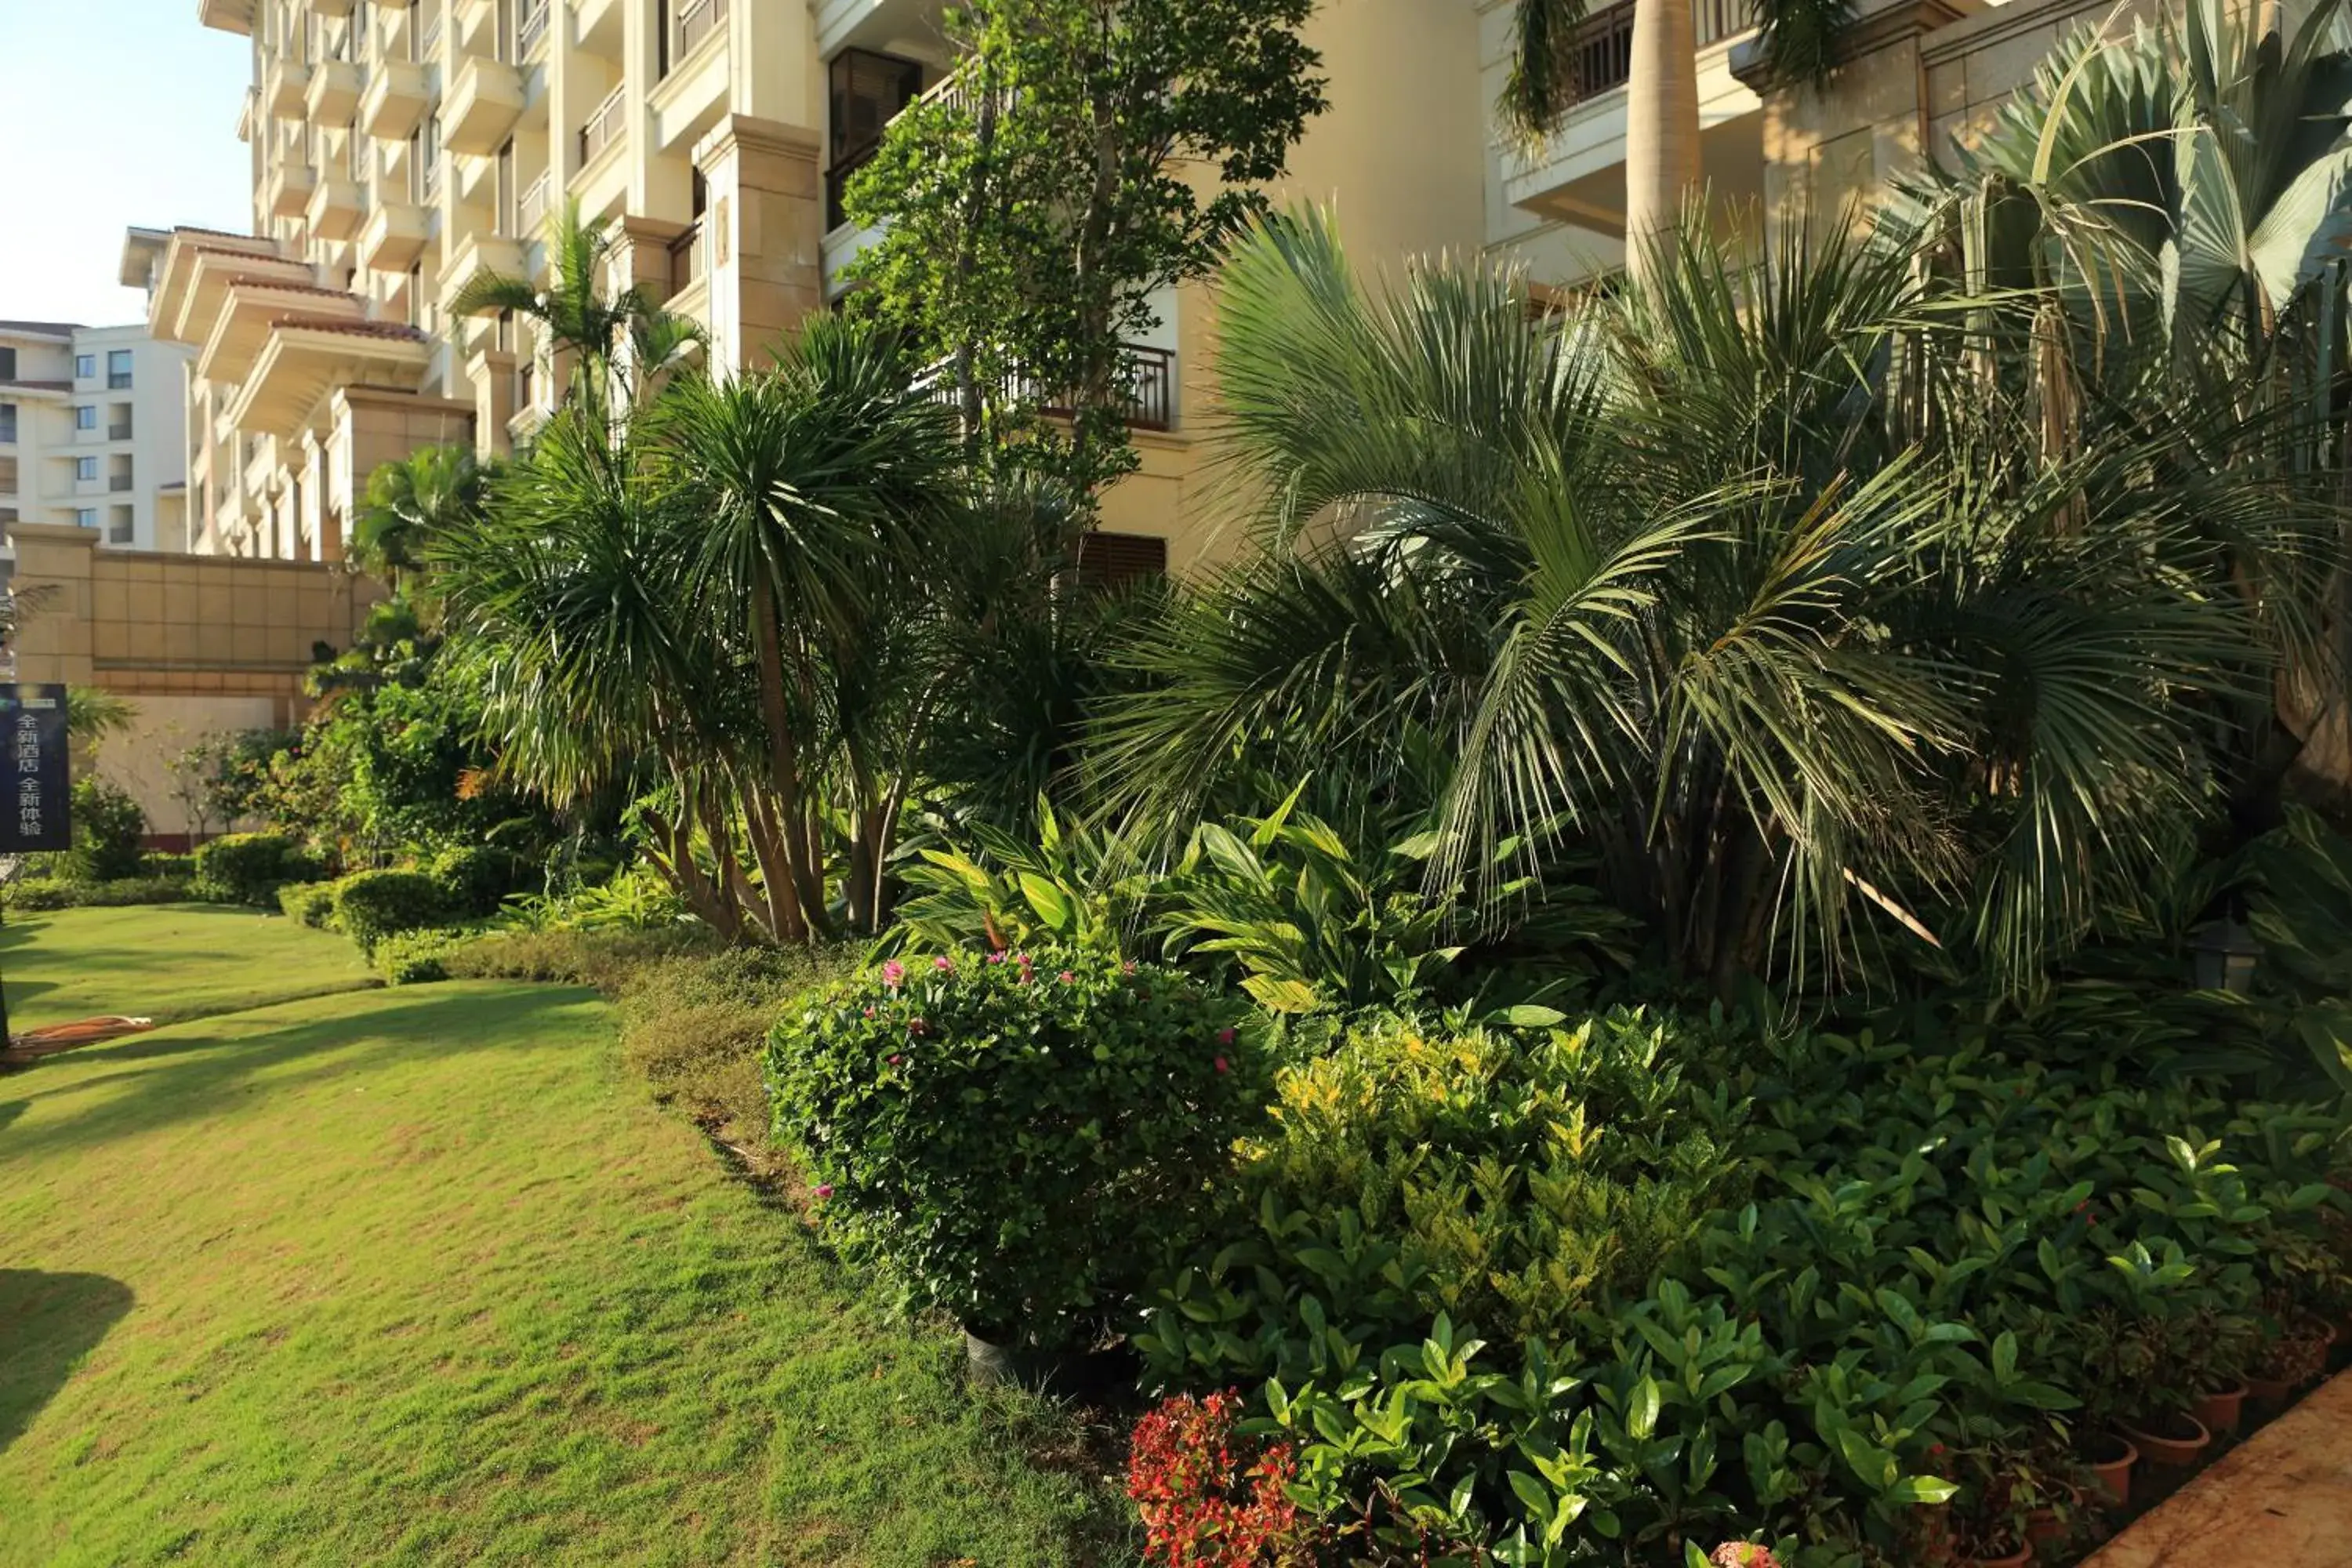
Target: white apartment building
[(92, 422)]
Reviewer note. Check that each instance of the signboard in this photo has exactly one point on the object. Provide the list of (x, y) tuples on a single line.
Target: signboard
[(34, 787)]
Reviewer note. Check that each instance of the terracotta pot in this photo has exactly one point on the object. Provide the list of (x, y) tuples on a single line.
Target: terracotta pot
[(2044, 1525), (2220, 1412), (2269, 1391), (2177, 1448), (2113, 1466), (2020, 1558)]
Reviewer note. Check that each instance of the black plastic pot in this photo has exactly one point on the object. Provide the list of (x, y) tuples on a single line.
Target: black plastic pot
[(1088, 1377)]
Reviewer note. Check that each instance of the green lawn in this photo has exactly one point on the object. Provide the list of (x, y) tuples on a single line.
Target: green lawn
[(166, 962), (416, 1276)]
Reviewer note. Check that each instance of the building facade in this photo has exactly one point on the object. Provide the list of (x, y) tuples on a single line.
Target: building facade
[(397, 149), (90, 432)]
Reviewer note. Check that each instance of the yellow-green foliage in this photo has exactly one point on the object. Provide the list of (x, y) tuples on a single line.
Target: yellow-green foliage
[(1515, 1171)]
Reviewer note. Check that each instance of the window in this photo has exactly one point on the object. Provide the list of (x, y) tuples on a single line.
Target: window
[(118, 369), (1108, 561), (868, 89), (85, 467), (117, 425), (8, 422), (416, 295), (85, 416), (122, 527), (85, 516), (84, 367), (7, 364)]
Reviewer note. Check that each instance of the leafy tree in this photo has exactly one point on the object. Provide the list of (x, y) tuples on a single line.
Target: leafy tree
[(1033, 207)]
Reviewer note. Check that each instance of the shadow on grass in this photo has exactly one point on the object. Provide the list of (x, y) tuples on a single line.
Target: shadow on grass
[(198, 1070), (9, 1111), (54, 1321)]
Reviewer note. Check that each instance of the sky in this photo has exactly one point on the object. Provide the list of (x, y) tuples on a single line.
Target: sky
[(117, 113)]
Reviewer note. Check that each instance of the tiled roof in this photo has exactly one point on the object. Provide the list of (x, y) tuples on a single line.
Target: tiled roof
[(288, 286), (217, 232), (389, 330)]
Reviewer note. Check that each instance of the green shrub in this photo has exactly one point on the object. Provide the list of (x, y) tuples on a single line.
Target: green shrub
[(308, 903), (109, 834), (1013, 1142), (35, 893), (249, 867), (419, 957), (478, 877), (179, 867), (371, 905)]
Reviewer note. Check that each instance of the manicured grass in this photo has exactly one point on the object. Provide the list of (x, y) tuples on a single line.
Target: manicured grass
[(421, 1276), (167, 961)]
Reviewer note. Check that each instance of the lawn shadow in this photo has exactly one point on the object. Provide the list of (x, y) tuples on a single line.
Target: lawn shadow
[(53, 1322), (197, 1070), (10, 1110)]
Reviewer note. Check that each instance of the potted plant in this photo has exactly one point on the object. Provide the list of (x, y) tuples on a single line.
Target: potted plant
[(2115, 1354)]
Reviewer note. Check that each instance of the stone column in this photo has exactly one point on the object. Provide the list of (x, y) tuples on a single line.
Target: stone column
[(492, 372), (765, 224)]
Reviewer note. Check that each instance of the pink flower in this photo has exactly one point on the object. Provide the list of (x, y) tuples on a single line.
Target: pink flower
[(896, 1059), (870, 1012), (916, 1026), (1222, 1065), (1224, 1036), (1127, 968), (1066, 978), (944, 964), (893, 974), (824, 1192), (996, 958)]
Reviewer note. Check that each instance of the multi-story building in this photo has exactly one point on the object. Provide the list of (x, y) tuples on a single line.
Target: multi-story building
[(90, 432), (399, 147)]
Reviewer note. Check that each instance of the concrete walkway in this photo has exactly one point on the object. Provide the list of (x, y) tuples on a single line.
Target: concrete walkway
[(2283, 1499)]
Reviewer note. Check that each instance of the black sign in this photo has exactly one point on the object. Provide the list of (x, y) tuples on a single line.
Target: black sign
[(35, 790)]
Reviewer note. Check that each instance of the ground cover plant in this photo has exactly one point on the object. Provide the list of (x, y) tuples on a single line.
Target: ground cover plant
[(563, 1333)]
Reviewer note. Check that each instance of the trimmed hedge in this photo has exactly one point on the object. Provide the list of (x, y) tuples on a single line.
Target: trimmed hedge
[(308, 903), (372, 905), (478, 877), (35, 893), (419, 957), (249, 867)]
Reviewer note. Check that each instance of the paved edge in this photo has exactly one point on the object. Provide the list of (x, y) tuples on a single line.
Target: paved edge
[(2283, 1499)]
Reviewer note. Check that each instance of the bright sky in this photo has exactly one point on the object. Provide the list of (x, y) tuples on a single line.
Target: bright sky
[(116, 112)]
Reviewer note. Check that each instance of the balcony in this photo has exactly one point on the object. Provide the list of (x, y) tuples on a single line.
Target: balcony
[(1577, 174), (331, 7), (1150, 402), (606, 125), (335, 209), (118, 483), (289, 189), (530, 212), (393, 238), (283, 84), (119, 432), (530, 33), (484, 100), (477, 254), (597, 25), (394, 103), (696, 20), (334, 95), (226, 16)]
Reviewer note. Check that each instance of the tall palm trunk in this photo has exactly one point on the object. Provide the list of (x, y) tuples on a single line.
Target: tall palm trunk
[(1662, 148)]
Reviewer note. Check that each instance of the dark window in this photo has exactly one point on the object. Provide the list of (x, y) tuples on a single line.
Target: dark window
[(7, 364), (9, 421), (868, 89), (85, 467), (1112, 561)]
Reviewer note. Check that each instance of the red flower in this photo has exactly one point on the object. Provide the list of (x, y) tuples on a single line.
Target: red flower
[(823, 1191), (917, 1027), (1222, 1066), (1224, 1036), (896, 1058), (1209, 1497)]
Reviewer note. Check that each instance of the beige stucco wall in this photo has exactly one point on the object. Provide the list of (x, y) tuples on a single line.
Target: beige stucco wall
[(137, 759)]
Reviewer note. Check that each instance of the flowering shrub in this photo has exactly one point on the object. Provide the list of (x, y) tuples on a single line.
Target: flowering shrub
[(1012, 1137), (1210, 1497)]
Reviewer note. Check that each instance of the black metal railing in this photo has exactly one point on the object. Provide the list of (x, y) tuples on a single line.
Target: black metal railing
[(836, 182), (1601, 50), (1150, 402)]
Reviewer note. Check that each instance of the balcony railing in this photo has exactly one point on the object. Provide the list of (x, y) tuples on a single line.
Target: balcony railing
[(119, 432), (1150, 402), (1601, 50), (118, 380), (428, 42), (530, 214), (685, 258), (118, 482), (428, 177), (532, 30), (836, 182), (696, 20), (603, 127)]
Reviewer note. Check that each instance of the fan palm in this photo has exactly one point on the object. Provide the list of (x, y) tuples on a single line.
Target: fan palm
[(1676, 578)]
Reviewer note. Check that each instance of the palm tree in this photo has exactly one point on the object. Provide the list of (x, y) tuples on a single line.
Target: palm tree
[(1688, 580), (621, 342), (411, 501)]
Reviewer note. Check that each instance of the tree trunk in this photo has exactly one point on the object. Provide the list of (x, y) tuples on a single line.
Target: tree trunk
[(784, 763), (1662, 150)]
